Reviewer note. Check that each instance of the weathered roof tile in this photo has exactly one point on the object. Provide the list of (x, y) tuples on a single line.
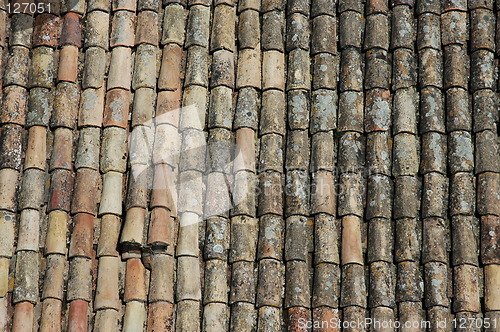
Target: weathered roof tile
[(378, 153), (95, 67), (86, 191), (434, 195), (247, 109), (117, 108), (404, 73), (145, 66), (350, 29), (122, 29), (482, 70), (408, 243), (407, 190), (353, 290), (351, 75), (325, 73), (46, 30), (465, 239), (454, 27), (377, 31), (8, 184), (436, 274), (487, 156), (409, 286), (379, 190), (71, 30), (377, 110), (403, 27), (147, 28), (324, 36), (22, 29), (273, 63), (466, 288), (222, 69), (96, 32), (434, 244), (223, 28), (350, 111), (490, 226), (91, 107), (153, 5), (270, 274), (433, 153), (273, 31), (377, 233), (32, 194), (382, 280), (488, 193), (17, 67), (42, 67), (456, 5), (485, 114)]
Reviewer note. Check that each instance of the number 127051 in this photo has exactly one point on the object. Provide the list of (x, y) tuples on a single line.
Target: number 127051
[(29, 8), (474, 322)]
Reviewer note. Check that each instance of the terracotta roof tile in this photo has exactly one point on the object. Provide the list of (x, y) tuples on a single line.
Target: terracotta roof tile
[(46, 30), (488, 185), (350, 29), (172, 62), (71, 31), (460, 5), (435, 190), (95, 64), (249, 29), (61, 190), (482, 70), (147, 28), (377, 32), (77, 6), (223, 28), (407, 243), (491, 294), (97, 26), (273, 29), (138, 186), (153, 5), (124, 5), (116, 108), (103, 5), (215, 266), (122, 29), (91, 107), (222, 69), (22, 29), (133, 228)]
